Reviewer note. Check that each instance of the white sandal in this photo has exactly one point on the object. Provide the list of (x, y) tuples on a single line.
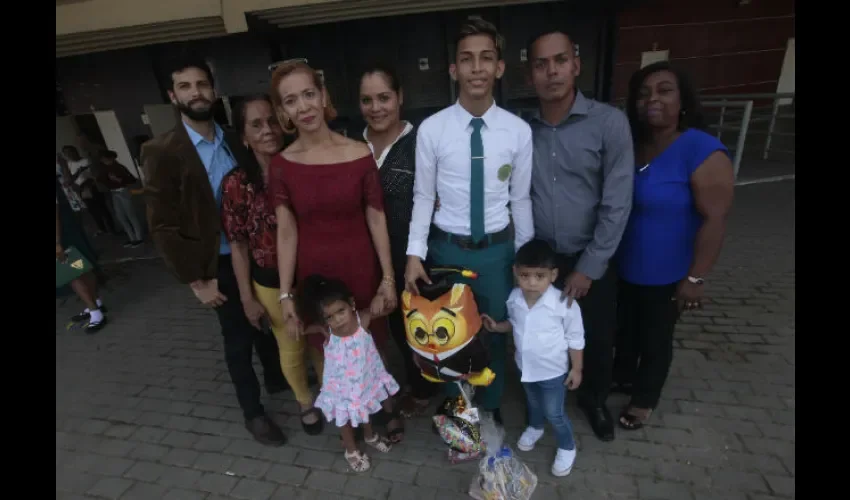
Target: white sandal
[(380, 443), (358, 461)]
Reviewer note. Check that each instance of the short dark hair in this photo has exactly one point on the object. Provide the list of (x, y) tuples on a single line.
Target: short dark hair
[(547, 30), (477, 26), (316, 292), (688, 97), (185, 60), (66, 148), (536, 253), (389, 73), (107, 153)]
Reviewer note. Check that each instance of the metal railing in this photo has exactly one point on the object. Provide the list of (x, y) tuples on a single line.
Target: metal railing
[(743, 127), (770, 109), (749, 115)]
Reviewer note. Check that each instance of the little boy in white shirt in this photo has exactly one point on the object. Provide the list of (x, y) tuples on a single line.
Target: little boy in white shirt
[(549, 340)]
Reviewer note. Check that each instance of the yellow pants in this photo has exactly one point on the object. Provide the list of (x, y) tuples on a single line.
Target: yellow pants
[(291, 351)]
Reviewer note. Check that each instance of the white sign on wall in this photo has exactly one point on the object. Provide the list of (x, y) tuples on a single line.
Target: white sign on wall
[(653, 56)]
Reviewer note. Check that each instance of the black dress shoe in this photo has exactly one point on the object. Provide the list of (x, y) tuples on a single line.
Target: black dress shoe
[(265, 431), (600, 421), (95, 327)]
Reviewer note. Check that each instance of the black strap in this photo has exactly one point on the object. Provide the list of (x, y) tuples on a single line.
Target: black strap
[(265, 276)]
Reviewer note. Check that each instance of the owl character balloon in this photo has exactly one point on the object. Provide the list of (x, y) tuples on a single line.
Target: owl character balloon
[(442, 325)]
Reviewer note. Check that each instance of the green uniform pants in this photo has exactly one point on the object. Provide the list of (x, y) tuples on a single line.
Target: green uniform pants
[(491, 289)]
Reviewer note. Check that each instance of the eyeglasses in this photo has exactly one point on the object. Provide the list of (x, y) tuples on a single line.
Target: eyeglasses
[(274, 66)]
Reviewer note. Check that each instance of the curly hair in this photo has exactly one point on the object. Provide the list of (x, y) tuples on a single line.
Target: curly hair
[(691, 115)]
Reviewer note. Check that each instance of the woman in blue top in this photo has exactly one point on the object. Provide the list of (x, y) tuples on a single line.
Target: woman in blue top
[(683, 191)]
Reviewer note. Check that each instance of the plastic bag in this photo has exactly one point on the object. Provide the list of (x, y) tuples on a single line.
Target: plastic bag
[(491, 434), (458, 425), (502, 476)]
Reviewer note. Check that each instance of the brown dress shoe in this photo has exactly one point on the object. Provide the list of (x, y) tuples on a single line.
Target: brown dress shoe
[(265, 431)]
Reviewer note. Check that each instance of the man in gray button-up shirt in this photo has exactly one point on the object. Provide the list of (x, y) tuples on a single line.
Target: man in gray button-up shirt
[(581, 191)]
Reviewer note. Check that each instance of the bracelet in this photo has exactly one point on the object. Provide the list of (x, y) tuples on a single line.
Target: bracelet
[(285, 296), (388, 280)]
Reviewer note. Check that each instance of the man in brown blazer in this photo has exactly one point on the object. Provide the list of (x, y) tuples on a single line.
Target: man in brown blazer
[(183, 170)]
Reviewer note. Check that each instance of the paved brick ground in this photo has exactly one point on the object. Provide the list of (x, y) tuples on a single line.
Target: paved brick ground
[(145, 410)]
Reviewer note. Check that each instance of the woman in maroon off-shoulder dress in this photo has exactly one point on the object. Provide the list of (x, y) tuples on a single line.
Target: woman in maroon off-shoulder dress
[(328, 199), (329, 202)]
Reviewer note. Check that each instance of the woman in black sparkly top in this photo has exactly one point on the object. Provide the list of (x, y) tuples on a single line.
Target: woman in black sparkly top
[(393, 142)]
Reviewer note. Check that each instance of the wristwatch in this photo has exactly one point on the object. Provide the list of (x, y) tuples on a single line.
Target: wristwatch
[(695, 280), (286, 296)]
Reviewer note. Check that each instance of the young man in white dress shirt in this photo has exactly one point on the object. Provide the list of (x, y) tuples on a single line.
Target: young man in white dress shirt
[(476, 158), (549, 338)]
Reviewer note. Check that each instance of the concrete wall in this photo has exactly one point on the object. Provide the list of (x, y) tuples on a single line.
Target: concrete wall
[(126, 80), (726, 47), (78, 16), (81, 16), (121, 80), (66, 133)]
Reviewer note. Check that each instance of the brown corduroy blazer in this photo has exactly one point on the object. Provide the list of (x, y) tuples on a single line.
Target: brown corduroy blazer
[(182, 213)]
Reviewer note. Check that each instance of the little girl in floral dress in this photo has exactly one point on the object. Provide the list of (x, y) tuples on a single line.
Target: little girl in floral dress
[(355, 383)]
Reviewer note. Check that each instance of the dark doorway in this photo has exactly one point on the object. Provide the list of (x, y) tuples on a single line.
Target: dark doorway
[(88, 127)]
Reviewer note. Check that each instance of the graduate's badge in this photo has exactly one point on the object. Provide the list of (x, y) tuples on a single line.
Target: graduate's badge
[(504, 172)]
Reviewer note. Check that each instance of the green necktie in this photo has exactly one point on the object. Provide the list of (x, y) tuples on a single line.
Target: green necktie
[(476, 185)]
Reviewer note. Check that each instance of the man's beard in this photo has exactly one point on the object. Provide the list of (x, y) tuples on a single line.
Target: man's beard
[(198, 115)]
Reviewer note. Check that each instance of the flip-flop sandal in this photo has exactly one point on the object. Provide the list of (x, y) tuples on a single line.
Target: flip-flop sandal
[(316, 427), (380, 443), (632, 422), (358, 461)]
